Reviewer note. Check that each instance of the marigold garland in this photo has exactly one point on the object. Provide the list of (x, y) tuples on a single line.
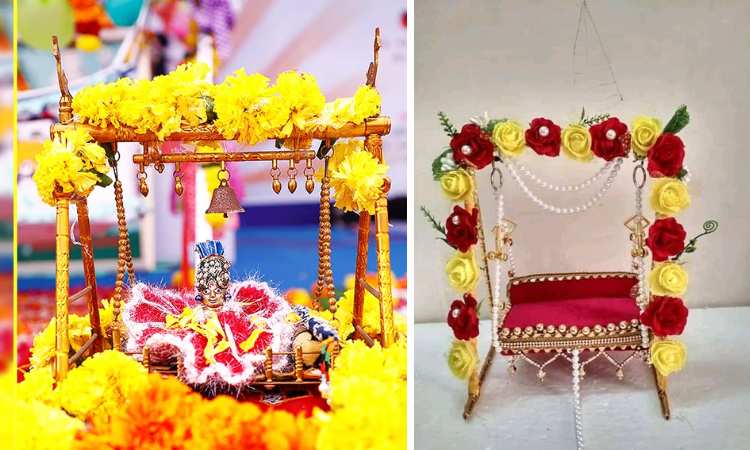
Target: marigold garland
[(358, 181), (79, 331), (368, 399), (69, 164), (243, 107)]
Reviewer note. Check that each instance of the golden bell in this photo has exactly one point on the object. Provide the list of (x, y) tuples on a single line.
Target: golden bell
[(224, 200)]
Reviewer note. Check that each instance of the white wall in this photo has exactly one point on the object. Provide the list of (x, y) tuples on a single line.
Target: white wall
[(514, 59)]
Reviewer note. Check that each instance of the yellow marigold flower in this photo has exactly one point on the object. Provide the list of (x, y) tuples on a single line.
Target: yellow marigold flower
[(69, 164), (457, 184), (38, 385), (644, 132), (669, 196), (668, 356), (298, 96), (43, 427), (668, 278), (576, 142), (239, 107), (462, 359), (462, 271), (341, 149), (366, 104), (366, 393), (100, 385), (358, 181), (509, 137)]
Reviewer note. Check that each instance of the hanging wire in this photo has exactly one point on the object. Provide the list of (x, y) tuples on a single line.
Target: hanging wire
[(593, 76)]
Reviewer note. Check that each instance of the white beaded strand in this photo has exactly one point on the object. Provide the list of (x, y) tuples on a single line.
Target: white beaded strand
[(641, 267), (578, 410), (569, 210), (563, 188)]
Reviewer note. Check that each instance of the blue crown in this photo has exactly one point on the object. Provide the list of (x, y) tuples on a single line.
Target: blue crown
[(209, 248)]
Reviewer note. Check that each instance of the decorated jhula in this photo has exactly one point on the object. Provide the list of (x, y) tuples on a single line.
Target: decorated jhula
[(224, 335), (639, 311)]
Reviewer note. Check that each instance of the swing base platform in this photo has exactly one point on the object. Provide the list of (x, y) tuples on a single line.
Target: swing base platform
[(556, 313)]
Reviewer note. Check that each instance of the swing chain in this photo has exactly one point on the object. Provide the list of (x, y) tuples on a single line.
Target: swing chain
[(496, 178)]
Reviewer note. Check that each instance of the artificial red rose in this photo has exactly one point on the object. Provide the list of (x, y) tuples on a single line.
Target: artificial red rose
[(666, 156), (543, 136), (461, 228), (666, 237), (609, 139), (471, 146), (666, 316), (463, 319)]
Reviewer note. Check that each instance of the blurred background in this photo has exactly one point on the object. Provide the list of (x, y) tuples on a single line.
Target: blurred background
[(6, 186), (276, 238)]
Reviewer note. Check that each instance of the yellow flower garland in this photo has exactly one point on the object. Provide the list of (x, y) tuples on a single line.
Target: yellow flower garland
[(69, 164), (668, 356), (668, 278), (243, 107), (358, 181)]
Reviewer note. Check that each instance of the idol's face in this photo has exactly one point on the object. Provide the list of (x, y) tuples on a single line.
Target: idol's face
[(213, 295)]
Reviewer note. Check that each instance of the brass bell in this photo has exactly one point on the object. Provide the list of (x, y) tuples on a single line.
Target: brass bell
[(224, 199)]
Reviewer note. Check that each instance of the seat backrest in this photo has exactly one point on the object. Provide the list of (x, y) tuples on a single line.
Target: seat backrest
[(561, 286)]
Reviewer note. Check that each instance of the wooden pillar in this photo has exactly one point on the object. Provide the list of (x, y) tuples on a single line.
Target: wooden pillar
[(62, 261), (87, 255), (360, 272)]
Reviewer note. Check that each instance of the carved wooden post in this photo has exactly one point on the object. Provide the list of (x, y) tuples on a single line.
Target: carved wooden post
[(62, 261), (87, 256)]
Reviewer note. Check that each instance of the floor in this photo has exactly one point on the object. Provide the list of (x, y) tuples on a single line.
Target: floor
[(710, 398)]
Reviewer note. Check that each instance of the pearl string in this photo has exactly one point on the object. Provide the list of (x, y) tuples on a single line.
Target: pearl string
[(642, 280), (497, 305), (570, 210), (578, 410), (568, 187)]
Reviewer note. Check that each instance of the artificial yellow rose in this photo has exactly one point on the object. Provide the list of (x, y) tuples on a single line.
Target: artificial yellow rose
[(576, 142), (669, 196), (668, 278), (462, 271), (668, 356), (457, 184), (645, 131), (509, 138), (462, 359)]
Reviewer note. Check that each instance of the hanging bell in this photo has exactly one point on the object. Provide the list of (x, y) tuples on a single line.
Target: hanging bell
[(224, 200)]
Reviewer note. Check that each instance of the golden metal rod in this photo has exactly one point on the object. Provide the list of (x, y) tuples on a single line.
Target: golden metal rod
[(177, 158), (473, 384), (661, 390), (62, 261), (380, 125), (471, 401)]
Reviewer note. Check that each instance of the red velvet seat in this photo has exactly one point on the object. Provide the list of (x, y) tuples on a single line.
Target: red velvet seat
[(575, 310)]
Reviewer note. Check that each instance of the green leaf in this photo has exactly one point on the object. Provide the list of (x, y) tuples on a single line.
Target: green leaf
[(583, 114), (433, 221), (679, 120), (490, 127), (104, 179), (448, 127), (689, 249), (211, 115), (437, 165), (682, 174), (279, 143)]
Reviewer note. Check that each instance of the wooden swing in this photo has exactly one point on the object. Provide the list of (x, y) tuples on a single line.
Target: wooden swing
[(372, 130)]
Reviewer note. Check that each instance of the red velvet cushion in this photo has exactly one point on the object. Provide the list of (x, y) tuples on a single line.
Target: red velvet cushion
[(583, 303)]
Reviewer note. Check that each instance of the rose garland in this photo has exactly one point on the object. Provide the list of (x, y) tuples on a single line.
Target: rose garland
[(480, 143)]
